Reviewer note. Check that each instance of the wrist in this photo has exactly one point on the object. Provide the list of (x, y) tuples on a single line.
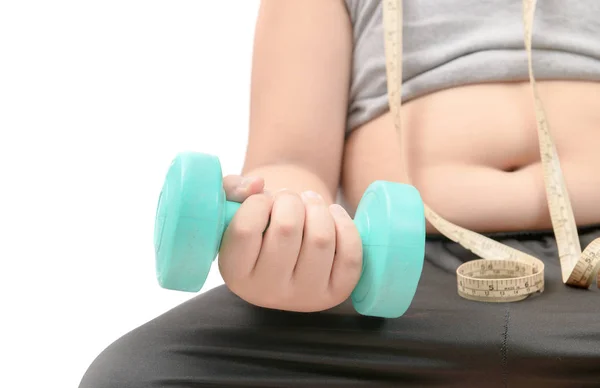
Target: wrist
[(292, 177)]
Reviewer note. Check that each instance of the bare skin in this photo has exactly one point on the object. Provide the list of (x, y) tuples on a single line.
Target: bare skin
[(471, 151)]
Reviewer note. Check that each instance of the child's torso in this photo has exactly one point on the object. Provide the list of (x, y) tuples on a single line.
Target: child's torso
[(472, 150)]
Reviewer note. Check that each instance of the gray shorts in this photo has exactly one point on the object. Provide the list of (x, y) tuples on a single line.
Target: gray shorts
[(218, 340)]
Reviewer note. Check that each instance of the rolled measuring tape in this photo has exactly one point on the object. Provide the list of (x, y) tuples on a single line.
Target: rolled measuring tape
[(503, 274)]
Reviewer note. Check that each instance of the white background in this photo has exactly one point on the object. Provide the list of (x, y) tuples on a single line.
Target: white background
[(96, 98)]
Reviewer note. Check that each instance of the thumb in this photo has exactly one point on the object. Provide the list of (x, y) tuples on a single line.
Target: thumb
[(238, 188)]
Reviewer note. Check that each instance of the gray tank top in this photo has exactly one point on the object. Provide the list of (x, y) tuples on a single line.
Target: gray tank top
[(457, 42)]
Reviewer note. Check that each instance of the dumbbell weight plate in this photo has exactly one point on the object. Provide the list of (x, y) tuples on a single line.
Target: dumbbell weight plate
[(391, 221), (189, 221)]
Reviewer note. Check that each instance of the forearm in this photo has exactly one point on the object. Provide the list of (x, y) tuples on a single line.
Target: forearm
[(292, 177)]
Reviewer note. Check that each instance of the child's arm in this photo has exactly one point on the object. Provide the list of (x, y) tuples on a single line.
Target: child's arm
[(310, 256), (300, 81)]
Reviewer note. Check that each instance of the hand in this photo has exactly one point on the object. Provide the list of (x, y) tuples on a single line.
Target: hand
[(308, 259)]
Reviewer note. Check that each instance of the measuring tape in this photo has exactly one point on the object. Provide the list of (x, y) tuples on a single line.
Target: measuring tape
[(503, 274)]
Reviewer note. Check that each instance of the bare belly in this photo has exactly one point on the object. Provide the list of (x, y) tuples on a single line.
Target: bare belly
[(473, 154)]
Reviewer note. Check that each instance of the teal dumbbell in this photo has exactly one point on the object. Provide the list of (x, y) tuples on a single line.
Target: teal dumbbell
[(192, 215)]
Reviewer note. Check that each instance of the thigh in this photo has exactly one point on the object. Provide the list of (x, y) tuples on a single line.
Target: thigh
[(217, 339), (554, 338), (551, 339)]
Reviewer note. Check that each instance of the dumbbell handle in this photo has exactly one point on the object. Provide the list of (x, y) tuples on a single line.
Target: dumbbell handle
[(229, 210)]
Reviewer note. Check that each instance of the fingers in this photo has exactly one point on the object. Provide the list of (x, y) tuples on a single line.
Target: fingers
[(308, 259), (282, 240), (347, 263), (243, 238), (238, 188), (314, 263)]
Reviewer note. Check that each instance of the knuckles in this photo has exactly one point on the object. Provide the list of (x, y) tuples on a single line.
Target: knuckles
[(287, 216), (353, 262), (321, 240), (242, 231), (285, 227), (248, 227), (261, 201)]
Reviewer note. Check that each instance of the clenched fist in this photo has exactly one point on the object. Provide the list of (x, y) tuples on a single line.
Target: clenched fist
[(288, 251)]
